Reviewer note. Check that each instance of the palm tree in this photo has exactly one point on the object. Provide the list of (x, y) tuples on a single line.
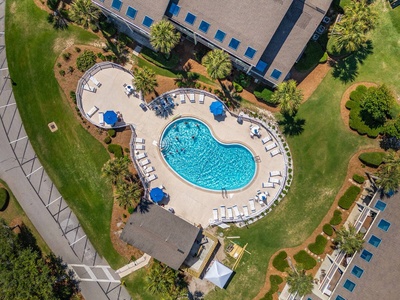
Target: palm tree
[(299, 281), (217, 63), (161, 279), (389, 173), (144, 80), (164, 37), (362, 13), (116, 169), (128, 193), (349, 36), (84, 12), (288, 97), (349, 240)]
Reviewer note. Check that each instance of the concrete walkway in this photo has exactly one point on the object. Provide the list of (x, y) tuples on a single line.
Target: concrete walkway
[(134, 266)]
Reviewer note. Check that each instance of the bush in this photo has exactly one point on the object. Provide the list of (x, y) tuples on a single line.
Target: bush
[(351, 104), (238, 88), (66, 55), (197, 85), (130, 210), (93, 27), (107, 140), (305, 259), (319, 246), (327, 229), (311, 57), (115, 149), (72, 94), (71, 69), (243, 80), (112, 133), (358, 178), (159, 58), (324, 58), (86, 60), (4, 197), (108, 29), (62, 72), (337, 218), (77, 49), (264, 94), (280, 263), (59, 65), (372, 159), (349, 197), (275, 281)]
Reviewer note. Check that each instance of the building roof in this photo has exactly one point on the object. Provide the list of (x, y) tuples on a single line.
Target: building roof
[(161, 234), (381, 274)]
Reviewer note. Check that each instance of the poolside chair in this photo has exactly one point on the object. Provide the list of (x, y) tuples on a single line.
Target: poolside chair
[(230, 214), (245, 211), (149, 169), (270, 146), (151, 178), (266, 139), (268, 185), (87, 87), (139, 147), (275, 173), (95, 81), (252, 206), (275, 152), (182, 98), (223, 212), (191, 98), (274, 180), (201, 99), (215, 214), (141, 155), (101, 118), (139, 140), (144, 162), (92, 111), (236, 211)]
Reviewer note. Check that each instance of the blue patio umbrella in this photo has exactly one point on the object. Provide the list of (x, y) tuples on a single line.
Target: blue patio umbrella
[(156, 194), (110, 117), (217, 108)]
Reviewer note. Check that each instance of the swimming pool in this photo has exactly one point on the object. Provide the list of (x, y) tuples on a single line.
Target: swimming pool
[(192, 152)]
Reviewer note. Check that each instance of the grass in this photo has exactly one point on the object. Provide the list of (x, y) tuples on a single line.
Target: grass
[(71, 156), (159, 59)]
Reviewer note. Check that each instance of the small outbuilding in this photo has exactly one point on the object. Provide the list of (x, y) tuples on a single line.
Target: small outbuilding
[(218, 274)]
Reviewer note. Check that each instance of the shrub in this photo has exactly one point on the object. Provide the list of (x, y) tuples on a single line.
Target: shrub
[(62, 72), (324, 58), (280, 263), (349, 197), (115, 149), (108, 29), (327, 229), (159, 58), (357, 123), (86, 60), (275, 281), (238, 88), (71, 69), (351, 104), (107, 140), (66, 55), (77, 49), (355, 96), (112, 133), (311, 56), (243, 80), (362, 89), (319, 245), (358, 178), (264, 94), (59, 64), (197, 85), (4, 197), (130, 210), (372, 159), (93, 27), (337, 218), (72, 94), (305, 259)]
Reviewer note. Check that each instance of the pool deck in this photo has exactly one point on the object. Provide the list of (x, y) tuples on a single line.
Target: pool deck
[(189, 202)]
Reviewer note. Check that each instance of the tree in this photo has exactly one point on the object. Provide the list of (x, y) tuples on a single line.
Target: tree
[(217, 63), (299, 281), (128, 193), (86, 60), (349, 240), (57, 17), (164, 37), (389, 172), (376, 104), (288, 97), (186, 79), (116, 169), (144, 80), (84, 12)]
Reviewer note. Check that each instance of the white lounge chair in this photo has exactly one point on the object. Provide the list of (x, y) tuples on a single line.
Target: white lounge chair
[(274, 180), (95, 81), (230, 214), (151, 177), (268, 185), (139, 140), (201, 99), (144, 162), (149, 169), (270, 146), (92, 111), (87, 87), (223, 212), (101, 118), (275, 173), (266, 139), (215, 214), (139, 147), (252, 206), (236, 211), (182, 98), (275, 152), (141, 155), (191, 97), (245, 211)]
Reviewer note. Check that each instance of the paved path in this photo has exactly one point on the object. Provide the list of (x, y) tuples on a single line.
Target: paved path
[(40, 199)]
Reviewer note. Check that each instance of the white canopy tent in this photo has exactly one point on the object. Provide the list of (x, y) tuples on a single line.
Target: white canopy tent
[(218, 274)]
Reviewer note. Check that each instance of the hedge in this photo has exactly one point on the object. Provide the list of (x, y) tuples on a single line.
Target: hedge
[(319, 246), (107, 140), (116, 150), (4, 196), (311, 57), (372, 159), (349, 197), (358, 178), (159, 59), (264, 94), (275, 281), (111, 133), (280, 263), (327, 229), (305, 259), (337, 218)]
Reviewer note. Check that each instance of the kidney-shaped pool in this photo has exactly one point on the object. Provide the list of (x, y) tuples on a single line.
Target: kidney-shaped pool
[(191, 150)]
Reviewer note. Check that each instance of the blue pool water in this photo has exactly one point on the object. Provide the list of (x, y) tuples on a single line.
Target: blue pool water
[(190, 149)]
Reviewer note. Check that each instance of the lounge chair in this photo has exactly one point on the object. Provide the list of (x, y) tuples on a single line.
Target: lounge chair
[(223, 212), (92, 111), (87, 87), (236, 211), (275, 152), (139, 140), (201, 99), (245, 211), (141, 155), (230, 214), (191, 97), (139, 147), (268, 185), (275, 173), (266, 139), (95, 81), (149, 169), (252, 206), (101, 118), (151, 178), (270, 146), (215, 214), (274, 180), (182, 98), (144, 162)]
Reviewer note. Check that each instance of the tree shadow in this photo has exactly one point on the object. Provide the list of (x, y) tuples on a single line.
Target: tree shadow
[(292, 125), (27, 239)]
